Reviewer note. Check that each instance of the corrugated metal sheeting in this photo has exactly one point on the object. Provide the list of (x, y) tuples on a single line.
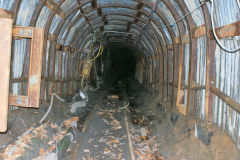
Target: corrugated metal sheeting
[(76, 32)]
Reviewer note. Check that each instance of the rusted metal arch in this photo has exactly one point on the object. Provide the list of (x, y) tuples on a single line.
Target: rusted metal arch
[(89, 1), (148, 36), (153, 31), (84, 32), (76, 35), (79, 36), (149, 39), (81, 17), (181, 30), (170, 29), (142, 21), (136, 25), (62, 24), (158, 22), (123, 6), (93, 10), (86, 40), (129, 39)]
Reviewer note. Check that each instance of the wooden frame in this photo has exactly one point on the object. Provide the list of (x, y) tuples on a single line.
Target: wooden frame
[(35, 67)]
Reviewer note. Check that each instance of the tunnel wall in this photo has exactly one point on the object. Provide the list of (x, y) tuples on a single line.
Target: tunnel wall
[(170, 60)]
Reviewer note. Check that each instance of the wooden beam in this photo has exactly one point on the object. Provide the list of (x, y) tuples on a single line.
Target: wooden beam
[(35, 68), (55, 8), (52, 37), (229, 30), (23, 32), (68, 49), (17, 100), (5, 60), (198, 31), (232, 103)]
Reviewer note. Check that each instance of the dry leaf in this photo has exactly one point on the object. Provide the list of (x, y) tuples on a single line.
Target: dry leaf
[(86, 150), (112, 141), (68, 122), (41, 151)]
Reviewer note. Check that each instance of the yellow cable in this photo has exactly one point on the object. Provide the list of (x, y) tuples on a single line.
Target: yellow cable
[(100, 51)]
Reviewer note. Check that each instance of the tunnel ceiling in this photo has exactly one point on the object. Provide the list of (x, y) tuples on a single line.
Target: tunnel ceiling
[(149, 25)]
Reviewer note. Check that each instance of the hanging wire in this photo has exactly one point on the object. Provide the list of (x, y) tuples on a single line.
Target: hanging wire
[(214, 32)]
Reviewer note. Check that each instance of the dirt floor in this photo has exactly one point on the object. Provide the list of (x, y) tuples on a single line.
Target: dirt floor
[(121, 121)]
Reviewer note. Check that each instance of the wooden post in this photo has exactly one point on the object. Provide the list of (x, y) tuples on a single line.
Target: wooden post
[(210, 67), (35, 68), (179, 74), (5, 61)]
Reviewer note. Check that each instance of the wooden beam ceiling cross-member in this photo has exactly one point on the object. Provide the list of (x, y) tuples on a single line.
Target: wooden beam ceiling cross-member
[(54, 7)]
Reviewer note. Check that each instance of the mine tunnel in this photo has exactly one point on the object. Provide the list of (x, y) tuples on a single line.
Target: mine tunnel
[(119, 79)]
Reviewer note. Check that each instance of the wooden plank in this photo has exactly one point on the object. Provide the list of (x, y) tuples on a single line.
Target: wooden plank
[(23, 32), (182, 109), (17, 100), (198, 32), (229, 30), (52, 37), (55, 8), (232, 103), (179, 76), (5, 60), (35, 68)]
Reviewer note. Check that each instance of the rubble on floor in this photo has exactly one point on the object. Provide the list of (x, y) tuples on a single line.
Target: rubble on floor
[(128, 124)]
